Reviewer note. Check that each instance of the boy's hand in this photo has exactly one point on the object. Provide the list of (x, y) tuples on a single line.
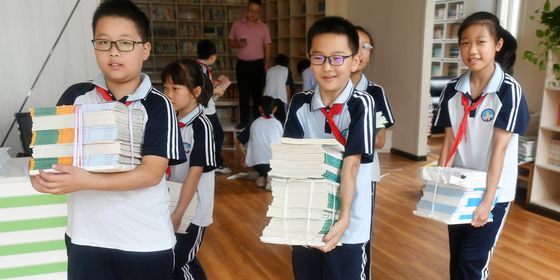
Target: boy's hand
[(70, 179), (176, 219), (333, 236)]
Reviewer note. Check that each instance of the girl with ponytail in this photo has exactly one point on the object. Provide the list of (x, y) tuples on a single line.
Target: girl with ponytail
[(483, 112)]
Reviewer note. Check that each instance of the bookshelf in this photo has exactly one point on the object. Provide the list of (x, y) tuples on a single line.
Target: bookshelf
[(288, 21), (446, 59), (544, 194)]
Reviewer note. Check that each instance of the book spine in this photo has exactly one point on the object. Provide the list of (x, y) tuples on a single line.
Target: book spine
[(49, 111)]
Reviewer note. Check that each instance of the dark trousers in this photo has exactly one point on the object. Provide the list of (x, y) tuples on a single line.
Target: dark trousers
[(470, 248), (87, 262), (218, 137), (262, 169), (187, 265), (345, 262), (250, 81)]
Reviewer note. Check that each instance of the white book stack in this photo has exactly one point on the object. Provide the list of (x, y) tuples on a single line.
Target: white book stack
[(104, 137), (32, 226), (174, 193), (450, 195), (527, 148), (305, 186)]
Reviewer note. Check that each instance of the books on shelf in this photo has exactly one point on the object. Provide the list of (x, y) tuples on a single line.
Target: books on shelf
[(105, 137), (450, 195), (174, 193), (305, 191), (527, 148)]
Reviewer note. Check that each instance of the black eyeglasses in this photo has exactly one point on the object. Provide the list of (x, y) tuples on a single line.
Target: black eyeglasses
[(121, 45), (334, 60)]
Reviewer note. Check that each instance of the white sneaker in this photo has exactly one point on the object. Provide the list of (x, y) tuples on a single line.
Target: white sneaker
[(261, 182), (223, 169)]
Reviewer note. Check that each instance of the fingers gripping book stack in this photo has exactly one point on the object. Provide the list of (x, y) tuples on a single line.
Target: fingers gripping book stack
[(305, 191), (105, 137)]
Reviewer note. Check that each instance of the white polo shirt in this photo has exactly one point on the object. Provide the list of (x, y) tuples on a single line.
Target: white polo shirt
[(276, 81), (381, 105), (258, 136), (503, 107), (136, 220), (198, 140), (357, 124)]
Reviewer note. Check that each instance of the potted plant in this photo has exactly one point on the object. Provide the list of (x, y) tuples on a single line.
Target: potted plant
[(549, 39)]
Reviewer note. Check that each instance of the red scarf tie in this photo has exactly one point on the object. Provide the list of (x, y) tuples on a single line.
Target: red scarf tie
[(462, 131), (182, 124), (334, 110), (107, 96)]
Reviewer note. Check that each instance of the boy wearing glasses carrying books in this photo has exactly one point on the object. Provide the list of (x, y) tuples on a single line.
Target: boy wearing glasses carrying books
[(118, 223), (338, 111)]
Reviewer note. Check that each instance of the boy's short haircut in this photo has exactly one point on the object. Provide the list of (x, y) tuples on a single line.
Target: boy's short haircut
[(334, 25), (205, 48), (303, 64), (267, 104), (281, 59), (124, 9), (258, 2)]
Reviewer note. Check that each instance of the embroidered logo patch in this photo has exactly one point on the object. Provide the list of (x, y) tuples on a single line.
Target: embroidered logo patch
[(345, 133), (487, 115), (187, 147)]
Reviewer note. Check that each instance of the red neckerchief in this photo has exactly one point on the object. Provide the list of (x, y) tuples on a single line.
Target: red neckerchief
[(182, 124), (463, 128), (207, 67), (108, 96), (266, 117), (335, 109)]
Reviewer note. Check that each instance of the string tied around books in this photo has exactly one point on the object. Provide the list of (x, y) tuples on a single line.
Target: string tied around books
[(329, 113)]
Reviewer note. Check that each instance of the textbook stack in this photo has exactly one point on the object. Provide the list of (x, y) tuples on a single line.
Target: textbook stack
[(305, 199), (32, 226), (104, 137), (450, 195), (527, 149)]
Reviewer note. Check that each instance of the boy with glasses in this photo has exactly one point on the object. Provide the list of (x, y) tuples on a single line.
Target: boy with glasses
[(337, 111), (119, 224)]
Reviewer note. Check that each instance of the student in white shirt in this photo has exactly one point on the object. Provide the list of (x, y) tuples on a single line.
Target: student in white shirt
[(483, 112), (304, 69), (258, 136), (279, 85), (189, 89)]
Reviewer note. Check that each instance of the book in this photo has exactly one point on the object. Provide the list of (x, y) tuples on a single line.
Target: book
[(174, 193), (450, 195)]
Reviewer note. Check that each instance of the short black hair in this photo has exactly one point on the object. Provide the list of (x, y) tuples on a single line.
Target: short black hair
[(205, 48), (267, 104), (336, 25), (303, 64), (281, 59), (124, 9), (258, 2)]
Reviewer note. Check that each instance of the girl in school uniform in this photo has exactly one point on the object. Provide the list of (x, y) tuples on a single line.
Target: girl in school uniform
[(189, 90), (483, 112)]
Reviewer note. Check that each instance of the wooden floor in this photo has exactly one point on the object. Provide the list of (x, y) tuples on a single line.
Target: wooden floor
[(405, 246)]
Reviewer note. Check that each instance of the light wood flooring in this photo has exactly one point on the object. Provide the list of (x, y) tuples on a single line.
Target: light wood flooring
[(405, 246)]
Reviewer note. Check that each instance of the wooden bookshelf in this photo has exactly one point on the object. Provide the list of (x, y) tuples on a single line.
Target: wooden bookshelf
[(446, 59)]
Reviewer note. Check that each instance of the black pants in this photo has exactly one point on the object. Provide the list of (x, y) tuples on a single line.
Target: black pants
[(218, 137), (87, 262), (470, 248), (187, 265), (342, 263), (262, 169), (250, 80)]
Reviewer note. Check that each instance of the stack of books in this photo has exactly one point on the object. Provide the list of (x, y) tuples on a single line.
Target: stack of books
[(450, 195), (32, 226), (104, 137), (527, 149), (305, 191)]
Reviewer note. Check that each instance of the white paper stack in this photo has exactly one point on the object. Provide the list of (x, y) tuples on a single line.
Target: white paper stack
[(104, 137), (305, 186), (527, 149), (174, 193), (450, 195), (32, 227)]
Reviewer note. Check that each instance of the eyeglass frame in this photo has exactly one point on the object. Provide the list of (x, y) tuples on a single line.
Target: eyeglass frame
[(344, 57), (367, 46), (116, 45)]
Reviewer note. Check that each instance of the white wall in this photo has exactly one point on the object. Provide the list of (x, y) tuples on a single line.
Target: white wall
[(401, 63), (28, 30)]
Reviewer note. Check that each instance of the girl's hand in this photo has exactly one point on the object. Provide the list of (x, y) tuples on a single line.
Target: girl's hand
[(176, 219), (70, 179), (481, 214), (333, 236)]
